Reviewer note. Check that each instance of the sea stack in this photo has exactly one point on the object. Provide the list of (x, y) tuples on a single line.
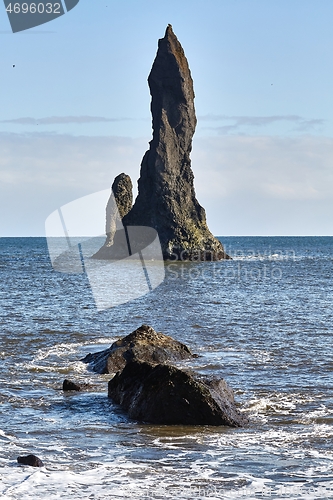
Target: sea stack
[(119, 204), (166, 198)]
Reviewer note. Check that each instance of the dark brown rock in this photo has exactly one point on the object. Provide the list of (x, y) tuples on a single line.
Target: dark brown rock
[(30, 460), (144, 344), (164, 394), (68, 385)]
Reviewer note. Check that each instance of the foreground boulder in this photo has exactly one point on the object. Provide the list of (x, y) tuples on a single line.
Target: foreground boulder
[(144, 344), (31, 460), (164, 394)]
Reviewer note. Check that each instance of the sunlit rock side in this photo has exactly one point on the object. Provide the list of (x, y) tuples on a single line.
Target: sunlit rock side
[(144, 344), (119, 204)]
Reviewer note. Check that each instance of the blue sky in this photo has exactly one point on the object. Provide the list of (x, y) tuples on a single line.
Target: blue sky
[(75, 109)]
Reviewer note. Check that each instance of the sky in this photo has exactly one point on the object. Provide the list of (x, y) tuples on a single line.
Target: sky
[(75, 109)]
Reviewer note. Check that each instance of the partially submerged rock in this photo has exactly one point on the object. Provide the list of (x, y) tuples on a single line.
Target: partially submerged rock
[(31, 460), (68, 385), (164, 394), (144, 344)]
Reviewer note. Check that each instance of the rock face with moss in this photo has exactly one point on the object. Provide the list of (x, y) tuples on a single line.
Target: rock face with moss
[(166, 198)]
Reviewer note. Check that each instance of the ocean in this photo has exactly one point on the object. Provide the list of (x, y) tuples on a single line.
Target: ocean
[(262, 321)]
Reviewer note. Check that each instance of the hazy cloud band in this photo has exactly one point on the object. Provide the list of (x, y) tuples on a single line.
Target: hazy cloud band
[(247, 184), (56, 120), (301, 123)]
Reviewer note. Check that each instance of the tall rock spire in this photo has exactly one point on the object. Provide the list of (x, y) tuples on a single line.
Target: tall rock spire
[(166, 198)]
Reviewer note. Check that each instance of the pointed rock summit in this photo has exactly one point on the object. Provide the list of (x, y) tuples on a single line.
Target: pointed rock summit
[(166, 198)]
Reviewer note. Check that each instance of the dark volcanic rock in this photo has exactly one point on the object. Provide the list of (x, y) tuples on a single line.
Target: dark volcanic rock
[(30, 460), (163, 394), (68, 385), (144, 344), (122, 189), (166, 198), (119, 204)]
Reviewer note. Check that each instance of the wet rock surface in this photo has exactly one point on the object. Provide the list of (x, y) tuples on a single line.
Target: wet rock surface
[(164, 394), (68, 385), (31, 460), (144, 344)]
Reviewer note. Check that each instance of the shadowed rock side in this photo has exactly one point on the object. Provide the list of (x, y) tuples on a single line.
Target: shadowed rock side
[(31, 460), (163, 394), (119, 204), (144, 344), (166, 198), (68, 385)]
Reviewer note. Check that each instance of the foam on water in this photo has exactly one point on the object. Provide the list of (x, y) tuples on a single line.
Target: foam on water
[(122, 478)]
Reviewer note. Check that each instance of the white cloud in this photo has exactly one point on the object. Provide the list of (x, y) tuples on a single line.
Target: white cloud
[(67, 162), (301, 124), (58, 120), (265, 185), (283, 168), (40, 172), (248, 185)]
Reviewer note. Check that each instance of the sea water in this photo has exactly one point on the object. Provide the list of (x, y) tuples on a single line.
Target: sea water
[(262, 321)]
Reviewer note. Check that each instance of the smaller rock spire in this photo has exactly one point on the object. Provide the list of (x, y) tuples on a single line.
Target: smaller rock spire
[(119, 204)]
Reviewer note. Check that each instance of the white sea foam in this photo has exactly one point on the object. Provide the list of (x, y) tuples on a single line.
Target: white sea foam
[(6, 436), (125, 479)]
